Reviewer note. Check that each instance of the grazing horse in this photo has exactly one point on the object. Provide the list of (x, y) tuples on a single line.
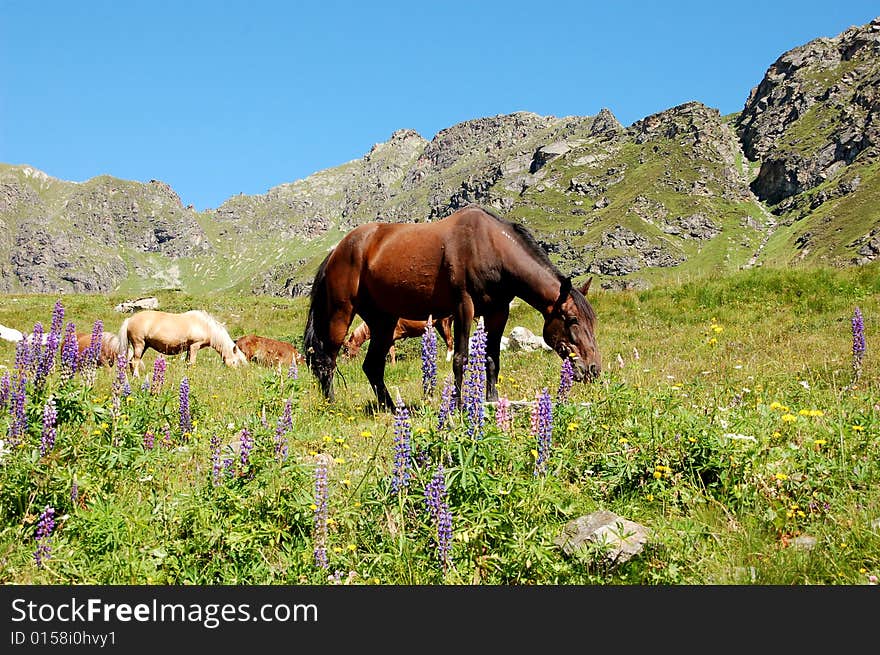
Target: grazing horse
[(404, 330), (269, 352), (109, 346), (172, 334), (471, 263)]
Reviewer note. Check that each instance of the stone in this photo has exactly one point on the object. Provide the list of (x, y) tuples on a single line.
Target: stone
[(140, 303), (523, 339), (622, 539)]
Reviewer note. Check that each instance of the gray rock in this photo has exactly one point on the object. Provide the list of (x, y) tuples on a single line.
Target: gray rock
[(140, 303), (621, 538), (523, 339)]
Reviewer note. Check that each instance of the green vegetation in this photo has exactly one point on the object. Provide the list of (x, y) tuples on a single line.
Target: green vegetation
[(724, 422)]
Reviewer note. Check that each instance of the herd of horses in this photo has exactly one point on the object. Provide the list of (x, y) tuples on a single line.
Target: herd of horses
[(396, 277)]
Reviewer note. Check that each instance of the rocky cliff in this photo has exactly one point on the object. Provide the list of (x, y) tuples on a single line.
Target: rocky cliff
[(792, 178)]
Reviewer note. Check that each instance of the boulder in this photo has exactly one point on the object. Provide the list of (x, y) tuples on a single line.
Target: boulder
[(621, 538), (135, 305), (523, 339)]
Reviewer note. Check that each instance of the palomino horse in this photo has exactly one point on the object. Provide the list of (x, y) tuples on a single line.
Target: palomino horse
[(172, 334), (269, 352), (471, 263), (405, 329)]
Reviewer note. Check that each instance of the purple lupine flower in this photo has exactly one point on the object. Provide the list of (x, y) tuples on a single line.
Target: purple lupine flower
[(69, 353), (53, 341), (503, 418), (57, 319), (566, 377), (46, 361), (23, 354), (43, 535), (293, 370), (542, 428), (429, 359), (120, 382), (159, 366), (438, 509), (858, 343), (447, 402), (321, 512), (37, 344), (149, 440), (50, 418), (74, 491), (167, 441), (87, 363), (185, 418), (285, 423), (474, 391), (216, 465), (4, 390), (228, 467), (246, 445), (17, 401), (402, 447)]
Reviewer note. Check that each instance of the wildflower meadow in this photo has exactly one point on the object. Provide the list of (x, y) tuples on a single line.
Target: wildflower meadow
[(737, 418)]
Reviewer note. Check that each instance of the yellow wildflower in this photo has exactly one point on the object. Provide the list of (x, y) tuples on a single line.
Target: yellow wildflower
[(857, 428), (788, 418), (366, 433), (658, 475), (781, 476), (820, 442)]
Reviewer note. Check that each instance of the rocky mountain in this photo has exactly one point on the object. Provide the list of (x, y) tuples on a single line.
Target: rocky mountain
[(791, 179)]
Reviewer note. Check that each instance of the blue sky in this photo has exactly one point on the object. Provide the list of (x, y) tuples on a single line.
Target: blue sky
[(218, 98)]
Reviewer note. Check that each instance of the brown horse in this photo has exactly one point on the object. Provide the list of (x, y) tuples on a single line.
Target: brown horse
[(471, 263), (109, 346), (269, 352), (405, 329), (172, 334)]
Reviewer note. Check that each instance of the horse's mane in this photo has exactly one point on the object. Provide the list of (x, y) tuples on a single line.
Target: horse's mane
[(531, 244), (220, 339)]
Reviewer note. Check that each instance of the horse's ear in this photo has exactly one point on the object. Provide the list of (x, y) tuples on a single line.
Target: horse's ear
[(586, 286)]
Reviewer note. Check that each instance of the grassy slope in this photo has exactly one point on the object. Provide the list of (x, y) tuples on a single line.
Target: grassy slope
[(784, 336)]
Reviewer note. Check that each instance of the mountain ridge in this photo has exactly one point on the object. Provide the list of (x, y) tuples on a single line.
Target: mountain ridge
[(791, 179)]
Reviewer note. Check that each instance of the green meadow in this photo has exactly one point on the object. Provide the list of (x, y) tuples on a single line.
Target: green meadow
[(729, 420)]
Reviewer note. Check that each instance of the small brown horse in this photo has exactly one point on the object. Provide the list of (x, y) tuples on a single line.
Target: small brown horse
[(405, 329), (172, 334), (269, 352), (109, 346), (471, 263)]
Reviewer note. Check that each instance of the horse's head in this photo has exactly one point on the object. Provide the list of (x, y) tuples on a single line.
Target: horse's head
[(570, 330), (234, 356)]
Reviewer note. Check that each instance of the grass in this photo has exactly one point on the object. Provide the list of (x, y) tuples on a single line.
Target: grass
[(723, 422)]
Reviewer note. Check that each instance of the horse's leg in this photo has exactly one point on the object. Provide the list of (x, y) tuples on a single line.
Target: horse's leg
[(381, 340), (137, 351), (494, 324), (392, 355), (444, 329), (192, 351), (463, 318)]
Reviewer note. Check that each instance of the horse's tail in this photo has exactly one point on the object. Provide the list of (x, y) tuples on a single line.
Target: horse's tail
[(122, 338)]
